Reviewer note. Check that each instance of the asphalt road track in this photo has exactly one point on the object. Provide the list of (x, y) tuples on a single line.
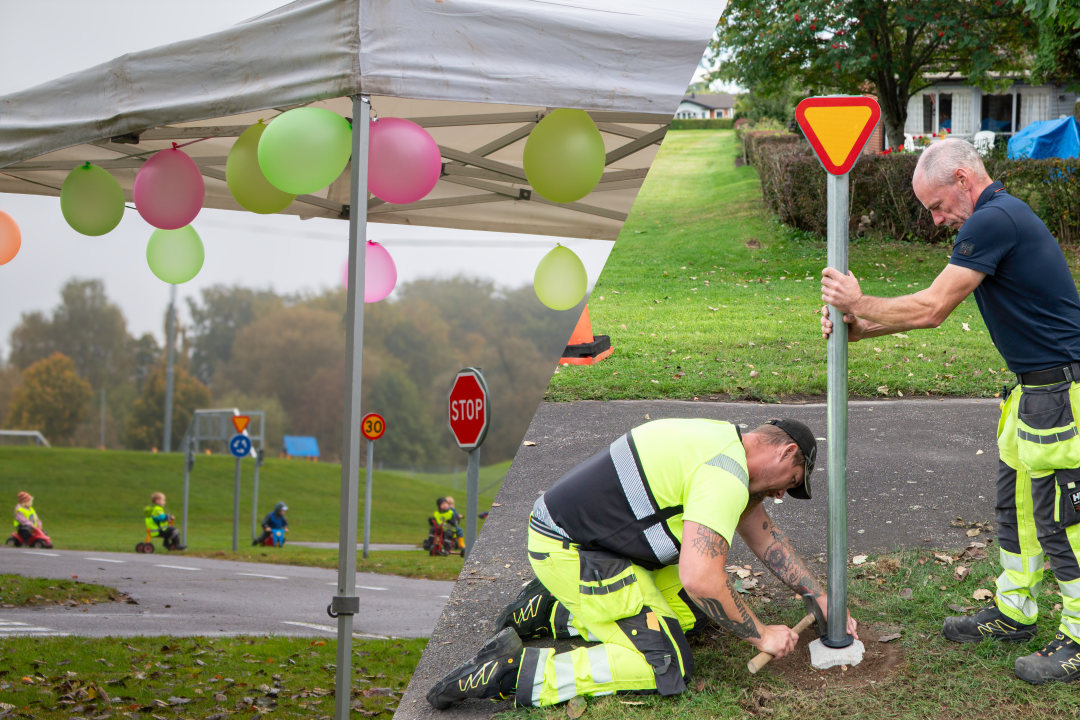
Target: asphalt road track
[(913, 466), (180, 595)]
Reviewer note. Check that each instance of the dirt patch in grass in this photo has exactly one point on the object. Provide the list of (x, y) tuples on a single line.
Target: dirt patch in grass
[(881, 661)]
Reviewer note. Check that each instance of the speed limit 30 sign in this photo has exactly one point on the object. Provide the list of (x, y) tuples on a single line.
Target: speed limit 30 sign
[(469, 414), (372, 426)]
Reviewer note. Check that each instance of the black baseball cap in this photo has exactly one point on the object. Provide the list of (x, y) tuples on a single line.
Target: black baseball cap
[(808, 445)]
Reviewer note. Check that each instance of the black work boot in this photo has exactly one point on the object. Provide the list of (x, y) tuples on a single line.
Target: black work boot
[(989, 622), (491, 674), (530, 614), (1057, 662)]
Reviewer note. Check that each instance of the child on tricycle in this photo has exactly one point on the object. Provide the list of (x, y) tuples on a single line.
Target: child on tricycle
[(274, 527)]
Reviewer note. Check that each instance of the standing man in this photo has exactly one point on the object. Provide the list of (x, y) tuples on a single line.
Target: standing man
[(1005, 255), (629, 550)]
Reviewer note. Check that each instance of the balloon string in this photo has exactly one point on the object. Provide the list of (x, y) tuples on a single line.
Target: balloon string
[(177, 147)]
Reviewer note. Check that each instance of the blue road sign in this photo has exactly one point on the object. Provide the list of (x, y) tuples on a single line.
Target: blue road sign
[(240, 446)]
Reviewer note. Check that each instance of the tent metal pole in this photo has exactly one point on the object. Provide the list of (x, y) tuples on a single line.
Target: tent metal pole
[(345, 604), (837, 421), (167, 444)]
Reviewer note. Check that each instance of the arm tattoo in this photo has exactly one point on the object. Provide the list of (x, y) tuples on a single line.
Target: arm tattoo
[(712, 545), (709, 543), (744, 627), (780, 557)]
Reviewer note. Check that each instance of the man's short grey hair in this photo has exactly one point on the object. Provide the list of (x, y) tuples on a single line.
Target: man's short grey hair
[(940, 161)]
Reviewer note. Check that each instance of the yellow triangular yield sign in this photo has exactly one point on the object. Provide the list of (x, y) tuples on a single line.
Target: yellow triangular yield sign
[(838, 128)]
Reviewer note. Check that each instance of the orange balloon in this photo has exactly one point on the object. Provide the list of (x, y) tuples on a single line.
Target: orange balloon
[(10, 238)]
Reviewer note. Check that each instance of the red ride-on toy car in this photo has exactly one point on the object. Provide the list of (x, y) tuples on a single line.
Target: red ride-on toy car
[(37, 540)]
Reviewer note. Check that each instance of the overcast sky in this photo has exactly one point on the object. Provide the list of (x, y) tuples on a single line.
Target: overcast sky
[(277, 251)]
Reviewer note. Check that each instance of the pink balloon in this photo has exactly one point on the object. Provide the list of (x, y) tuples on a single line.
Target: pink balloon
[(380, 273), (169, 190), (404, 162)]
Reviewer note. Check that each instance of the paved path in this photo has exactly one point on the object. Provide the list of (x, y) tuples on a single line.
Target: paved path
[(913, 466), (180, 595)]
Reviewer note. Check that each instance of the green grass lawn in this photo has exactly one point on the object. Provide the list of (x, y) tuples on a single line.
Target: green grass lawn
[(56, 678), (703, 288), (929, 677), (18, 591), (94, 500)]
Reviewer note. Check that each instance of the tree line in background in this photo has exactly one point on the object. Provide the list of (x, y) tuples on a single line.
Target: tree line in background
[(285, 355)]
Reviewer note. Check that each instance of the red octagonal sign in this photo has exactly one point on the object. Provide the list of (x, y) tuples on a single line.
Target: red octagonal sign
[(469, 412)]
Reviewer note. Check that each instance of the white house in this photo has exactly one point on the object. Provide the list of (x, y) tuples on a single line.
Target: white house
[(965, 110), (707, 106)]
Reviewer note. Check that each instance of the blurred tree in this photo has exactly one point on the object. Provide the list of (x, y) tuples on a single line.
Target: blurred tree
[(86, 327), (52, 399), (411, 435), (10, 377), (145, 425), (859, 46), (778, 104), (224, 311)]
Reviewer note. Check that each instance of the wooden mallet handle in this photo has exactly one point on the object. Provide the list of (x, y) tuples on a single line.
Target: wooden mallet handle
[(762, 659)]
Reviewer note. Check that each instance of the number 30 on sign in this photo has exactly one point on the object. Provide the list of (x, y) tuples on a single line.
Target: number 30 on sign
[(372, 426)]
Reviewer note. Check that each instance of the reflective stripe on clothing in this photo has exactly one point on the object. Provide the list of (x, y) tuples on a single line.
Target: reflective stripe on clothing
[(661, 544), (632, 484), (598, 664), (1046, 439), (1016, 563), (563, 664), (732, 466)]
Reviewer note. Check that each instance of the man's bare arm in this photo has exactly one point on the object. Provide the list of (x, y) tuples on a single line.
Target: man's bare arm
[(736, 618), (924, 309), (769, 543)]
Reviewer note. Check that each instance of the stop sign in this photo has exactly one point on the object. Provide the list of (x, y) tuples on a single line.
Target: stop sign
[(469, 413)]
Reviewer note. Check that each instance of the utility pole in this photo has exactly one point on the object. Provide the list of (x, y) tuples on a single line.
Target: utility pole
[(167, 444)]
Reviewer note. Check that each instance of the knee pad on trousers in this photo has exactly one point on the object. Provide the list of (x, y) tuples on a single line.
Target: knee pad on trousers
[(644, 631)]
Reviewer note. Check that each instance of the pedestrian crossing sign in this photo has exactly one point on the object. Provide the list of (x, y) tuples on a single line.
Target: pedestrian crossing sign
[(837, 127)]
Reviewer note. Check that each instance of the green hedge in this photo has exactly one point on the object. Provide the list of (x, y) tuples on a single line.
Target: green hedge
[(707, 124), (793, 187)]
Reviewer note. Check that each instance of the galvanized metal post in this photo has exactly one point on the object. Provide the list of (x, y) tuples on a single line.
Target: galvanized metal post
[(236, 507), (166, 446), (255, 494), (837, 421), (345, 603), (472, 490), (189, 462), (367, 497)]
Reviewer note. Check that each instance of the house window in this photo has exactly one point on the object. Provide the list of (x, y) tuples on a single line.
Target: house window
[(945, 112), (928, 113), (997, 113), (1032, 107)]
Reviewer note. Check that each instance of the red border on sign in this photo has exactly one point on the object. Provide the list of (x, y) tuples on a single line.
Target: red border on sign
[(375, 416), (838, 101)]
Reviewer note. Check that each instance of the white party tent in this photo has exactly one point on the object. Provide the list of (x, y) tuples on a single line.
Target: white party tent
[(478, 74)]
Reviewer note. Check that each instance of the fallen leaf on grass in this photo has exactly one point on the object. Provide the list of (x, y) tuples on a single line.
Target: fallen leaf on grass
[(961, 572), (576, 707), (888, 638), (973, 533), (220, 698), (631, 702), (982, 594), (965, 327), (947, 559), (700, 686), (906, 593), (960, 608), (858, 560), (749, 583), (742, 573)]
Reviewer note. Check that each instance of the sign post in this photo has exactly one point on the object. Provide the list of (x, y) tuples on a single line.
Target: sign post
[(469, 418), (372, 427), (837, 127), (240, 447)]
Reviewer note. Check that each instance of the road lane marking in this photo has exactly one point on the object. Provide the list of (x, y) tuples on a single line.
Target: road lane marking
[(332, 629), (272, 577), (104, 560), (362, 587), (445, 596), (37, 552), (177, 567), (9, 628)]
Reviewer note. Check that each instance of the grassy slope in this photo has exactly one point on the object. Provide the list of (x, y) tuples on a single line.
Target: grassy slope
[(55, 678), (690, 224), (18, 591), (93, 500), (935, 679)]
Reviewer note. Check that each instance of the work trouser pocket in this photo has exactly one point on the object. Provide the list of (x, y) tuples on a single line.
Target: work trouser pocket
[(609, 588), (1046, 433), (1067, 501)]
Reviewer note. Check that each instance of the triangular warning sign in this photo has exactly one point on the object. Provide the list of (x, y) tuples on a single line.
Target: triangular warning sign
[(838, 127), (240, 422)]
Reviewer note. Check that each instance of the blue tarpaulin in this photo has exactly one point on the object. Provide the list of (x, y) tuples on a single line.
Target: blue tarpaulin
[(1047, 139), (301, 446)]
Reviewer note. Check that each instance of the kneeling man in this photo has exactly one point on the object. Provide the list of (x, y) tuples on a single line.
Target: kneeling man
[(629, 551)]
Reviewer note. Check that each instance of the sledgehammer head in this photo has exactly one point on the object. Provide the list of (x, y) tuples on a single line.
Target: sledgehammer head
[(812, 608)]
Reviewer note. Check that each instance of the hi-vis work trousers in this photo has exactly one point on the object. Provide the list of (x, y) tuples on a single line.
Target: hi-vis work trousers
[(638, 616), (1038, 500)]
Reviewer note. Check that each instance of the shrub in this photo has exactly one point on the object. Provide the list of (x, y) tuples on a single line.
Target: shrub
[(706, 124), (793, 187)]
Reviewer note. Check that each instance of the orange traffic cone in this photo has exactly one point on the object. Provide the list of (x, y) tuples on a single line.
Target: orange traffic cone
[(584, 347)]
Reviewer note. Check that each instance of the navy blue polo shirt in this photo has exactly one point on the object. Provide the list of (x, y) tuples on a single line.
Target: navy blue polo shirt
[(1027, 299)]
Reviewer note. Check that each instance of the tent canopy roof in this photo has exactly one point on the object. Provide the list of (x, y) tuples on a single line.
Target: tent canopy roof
[(477, 73)]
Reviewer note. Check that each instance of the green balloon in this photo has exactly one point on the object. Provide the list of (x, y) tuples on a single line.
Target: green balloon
[(564, 156), (91, 200), (560, 280), (175, 256), (304, 150), (246, 181)]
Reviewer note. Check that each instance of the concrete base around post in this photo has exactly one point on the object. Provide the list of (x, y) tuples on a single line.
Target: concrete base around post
[(823, 658)]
